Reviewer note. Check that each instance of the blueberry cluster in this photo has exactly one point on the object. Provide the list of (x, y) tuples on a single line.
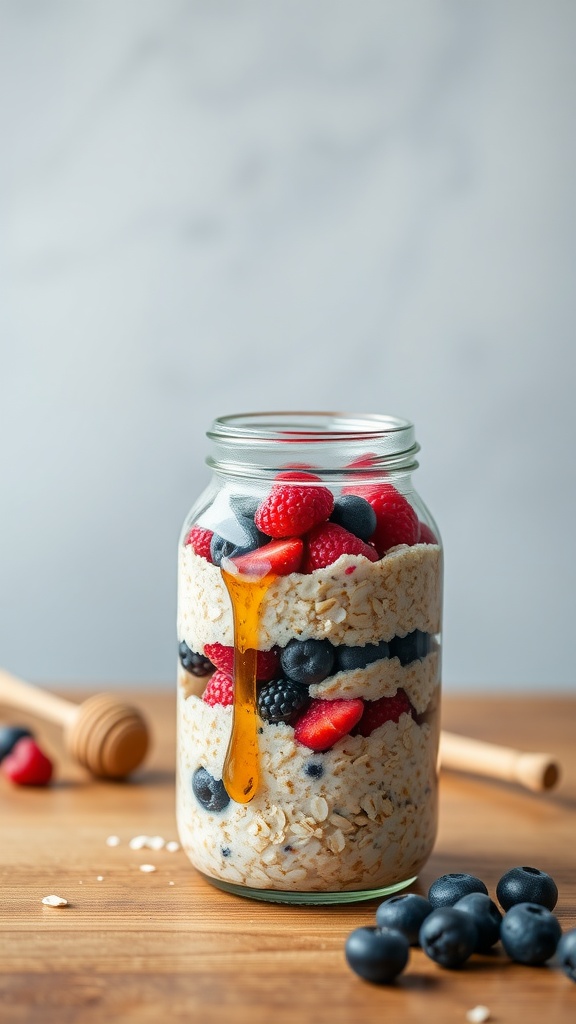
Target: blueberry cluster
[(458, 919)]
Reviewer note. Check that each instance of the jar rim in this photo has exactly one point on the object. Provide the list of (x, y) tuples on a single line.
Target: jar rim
[(303, 425)]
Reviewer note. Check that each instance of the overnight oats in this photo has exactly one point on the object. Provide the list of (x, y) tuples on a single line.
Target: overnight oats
[(309, 619)]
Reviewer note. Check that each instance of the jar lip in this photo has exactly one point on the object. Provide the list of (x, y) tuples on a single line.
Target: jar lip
[(308, 426)]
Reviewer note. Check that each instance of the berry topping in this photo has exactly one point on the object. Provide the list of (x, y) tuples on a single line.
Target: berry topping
[(209, 792), (279, 557), (396, 520), (377, 955), (426, 536), (280, 700), (291, 510), (220, 690), (9, 736), (486, 917), (199, 540), (448, 936), (527, 885), (530, 933), (195, 663), (448, 889), (327, 721), (267, 662), (237, 537), (325, 544), (567, 953), (349, 658), (355, 514), (405, 913), (307, 661), (410, 647), (386, 709), (26, 765)]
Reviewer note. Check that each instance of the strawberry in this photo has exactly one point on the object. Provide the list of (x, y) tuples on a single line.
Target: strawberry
[(27, 765), (386, 709), (426, 536), (292, 509), (200, 539), (327, 721), (396, 520), (220, 689), (267, 662), (326, 542), (280, 557)]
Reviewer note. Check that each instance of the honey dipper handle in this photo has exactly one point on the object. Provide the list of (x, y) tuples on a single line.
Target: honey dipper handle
[(21, 696), (535, 771)]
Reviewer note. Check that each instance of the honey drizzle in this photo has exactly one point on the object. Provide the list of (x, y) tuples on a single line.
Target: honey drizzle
[(241, 772)]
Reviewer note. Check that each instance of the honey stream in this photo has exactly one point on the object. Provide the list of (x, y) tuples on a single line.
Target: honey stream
[(241, 773)]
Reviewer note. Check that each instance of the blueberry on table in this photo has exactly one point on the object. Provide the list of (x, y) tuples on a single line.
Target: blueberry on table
[(377, 954), (307, 661), (405, 913), (281, 699), (348, 658), (448, 889), (527, 885), (209, 792), (409, 648), (9, 736), (355, 514), (448, 936), (566, 953), (193, 662), (530, 933), (486, 917)]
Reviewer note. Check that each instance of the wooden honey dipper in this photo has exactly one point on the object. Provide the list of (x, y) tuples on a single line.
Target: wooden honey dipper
[(103, 734)]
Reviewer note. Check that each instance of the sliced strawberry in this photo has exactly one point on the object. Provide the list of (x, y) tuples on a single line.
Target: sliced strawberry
[(280, 557), (386, 709), (327, 721), (267, 662), (26, 765)]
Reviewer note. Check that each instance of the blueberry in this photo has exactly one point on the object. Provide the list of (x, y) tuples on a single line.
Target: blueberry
[(280, 700), (448, 936), (348, 658), (411, 647), (235, 537), (314, 770), (9, 736), (486, 917), (530, 933), (307, 661), (195, 663), (527, 885), (243, 505), (448, 889), (225, 851), (209, 791), (355, 514), (376, 954), (567, 954), (405, 913)]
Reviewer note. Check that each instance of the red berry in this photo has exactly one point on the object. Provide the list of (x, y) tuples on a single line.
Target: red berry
[(200, 539), (27, 765), (280, 557), (325, 543), (297, 471), (396, 520), (267, 662), (386, 709), (220, 689), (327, 721), (426, 536), (291, 510)]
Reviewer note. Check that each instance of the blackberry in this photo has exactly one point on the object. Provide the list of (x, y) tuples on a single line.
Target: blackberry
[(348, 658), (195, 663), (448, 889), (280, 700), (355, 514), (209, 792), (527, 885), (307, 661), (411, 647)]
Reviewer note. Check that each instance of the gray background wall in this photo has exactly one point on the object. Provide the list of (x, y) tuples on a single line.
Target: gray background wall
[(221, 206)]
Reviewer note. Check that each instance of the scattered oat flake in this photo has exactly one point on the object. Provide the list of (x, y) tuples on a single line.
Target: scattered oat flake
[(138, 842), (478, 1014), (172, 846), (155, 842), (147, 868), (170, 883), (55, 901), (113, 841)]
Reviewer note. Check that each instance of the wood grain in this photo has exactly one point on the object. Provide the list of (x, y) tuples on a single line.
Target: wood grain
[(134, 948)]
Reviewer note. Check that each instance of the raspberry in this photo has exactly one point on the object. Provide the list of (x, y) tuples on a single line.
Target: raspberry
[(425, 535), (279, 557), (396, 520), (267, 662), (26, 765), (220, 690), (200, 540), (386, 709), (327, 721), (298, 471), (291, 510), (326, 542)]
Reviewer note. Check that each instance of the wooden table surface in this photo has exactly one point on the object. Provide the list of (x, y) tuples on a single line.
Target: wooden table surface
[(134, 947)]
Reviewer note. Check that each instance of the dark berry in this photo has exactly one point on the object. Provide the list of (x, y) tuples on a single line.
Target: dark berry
[(530, 933), (411, 647), (243, 505), (348, 658), (527, 885), (280, 700), (486, 917), (314, 770), (195, 663), (355, 514), (448, 936), (376, 954), (225, 851), (566, 953), (405, 913), (448, 889), (9, 736), (307, 661), (237, 536), (209, 792)]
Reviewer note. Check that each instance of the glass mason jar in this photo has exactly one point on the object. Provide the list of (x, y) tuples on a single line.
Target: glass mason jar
[(309, 619)]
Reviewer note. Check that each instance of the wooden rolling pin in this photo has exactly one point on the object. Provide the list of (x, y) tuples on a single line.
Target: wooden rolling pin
[(103, 734), (534, 771)]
